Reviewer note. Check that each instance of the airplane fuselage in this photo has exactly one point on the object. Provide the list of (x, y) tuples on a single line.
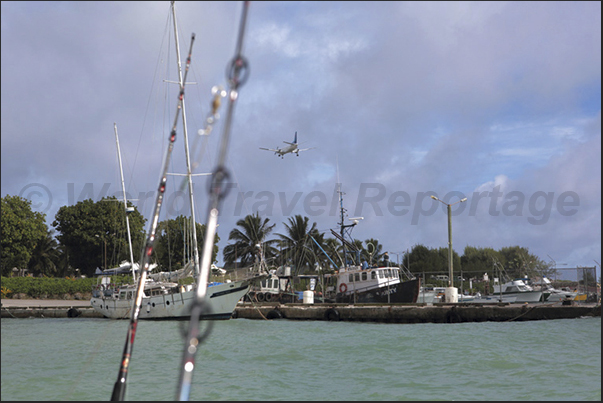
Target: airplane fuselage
[(291, 148)]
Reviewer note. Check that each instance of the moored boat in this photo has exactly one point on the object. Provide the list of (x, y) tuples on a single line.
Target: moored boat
[(168, 300), (519, 289), (363, 284), (162, 297), (354, 284), (512, 291), (554, 295)]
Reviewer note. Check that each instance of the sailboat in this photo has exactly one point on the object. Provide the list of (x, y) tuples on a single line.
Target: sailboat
[(163, 297), (359, 284)]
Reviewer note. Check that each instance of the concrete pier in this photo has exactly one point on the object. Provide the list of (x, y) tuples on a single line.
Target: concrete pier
[(417, 313), (47, 308), (384, 313)]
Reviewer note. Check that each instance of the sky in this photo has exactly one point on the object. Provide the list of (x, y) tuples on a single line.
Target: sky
[(496, 102)]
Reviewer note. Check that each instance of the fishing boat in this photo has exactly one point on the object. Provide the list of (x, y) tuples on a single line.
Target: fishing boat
[(363, 284), (355, 284), (163, 297), (276, 287)]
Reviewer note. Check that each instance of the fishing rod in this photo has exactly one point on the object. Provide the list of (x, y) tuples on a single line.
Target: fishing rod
[(119, 389), (237, 74)]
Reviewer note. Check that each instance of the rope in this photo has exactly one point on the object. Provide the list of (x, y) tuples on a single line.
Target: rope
[(9, 312), (256, 307), (519, 316)]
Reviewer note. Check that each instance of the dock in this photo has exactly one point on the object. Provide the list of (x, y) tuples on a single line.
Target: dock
[(47, 308), (417, 313), (380, 313)]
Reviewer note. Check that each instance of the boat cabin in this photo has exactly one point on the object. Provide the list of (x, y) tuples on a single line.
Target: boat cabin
[(516, 285), (357, 279)]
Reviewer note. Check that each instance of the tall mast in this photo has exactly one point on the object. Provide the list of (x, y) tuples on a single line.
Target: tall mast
[(123, 188), (345, 262), (186, 151)]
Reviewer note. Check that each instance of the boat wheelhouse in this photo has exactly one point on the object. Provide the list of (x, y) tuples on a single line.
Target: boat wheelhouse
[(378, 284)]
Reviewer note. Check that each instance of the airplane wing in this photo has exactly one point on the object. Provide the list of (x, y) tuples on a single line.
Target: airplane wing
[(306, 149), (269, 149)]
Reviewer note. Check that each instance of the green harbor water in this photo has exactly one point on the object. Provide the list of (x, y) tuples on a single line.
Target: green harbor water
[(78, 359)]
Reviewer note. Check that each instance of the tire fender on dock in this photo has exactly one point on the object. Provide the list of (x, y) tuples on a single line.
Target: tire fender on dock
[(332, 314), (274, 314)]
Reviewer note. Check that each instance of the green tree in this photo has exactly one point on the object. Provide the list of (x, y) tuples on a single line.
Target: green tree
[(353, 255), (45, 257), (333, 248), (22, 229), (372, 252), (479, 260), (324, 251), (253, 231), (94, 234), (296, 249), (519, 262), (427, 260), (173, 243), (420, 259)]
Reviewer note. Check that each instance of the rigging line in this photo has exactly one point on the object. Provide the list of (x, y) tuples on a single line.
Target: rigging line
[(237, 75), (150, 97), (119, 388)]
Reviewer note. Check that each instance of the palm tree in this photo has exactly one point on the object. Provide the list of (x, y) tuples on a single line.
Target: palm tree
[(296, 245), (372, 251), (333, 248), (318, 246), (254, 231), (45, 257)]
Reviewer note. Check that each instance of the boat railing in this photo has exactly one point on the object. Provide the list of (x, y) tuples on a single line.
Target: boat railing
[(245, 273), (390, 283)]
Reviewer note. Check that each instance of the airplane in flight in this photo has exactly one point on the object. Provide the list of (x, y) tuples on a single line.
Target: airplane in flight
[(291, 148)]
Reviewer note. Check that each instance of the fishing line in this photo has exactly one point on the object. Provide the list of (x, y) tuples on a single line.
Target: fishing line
[(119, 388), (237, 74)]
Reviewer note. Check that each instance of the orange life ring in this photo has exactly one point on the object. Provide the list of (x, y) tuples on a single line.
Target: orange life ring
[(343, 288)]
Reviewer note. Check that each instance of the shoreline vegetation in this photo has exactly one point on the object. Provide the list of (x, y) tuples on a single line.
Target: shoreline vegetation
[(66, 288)]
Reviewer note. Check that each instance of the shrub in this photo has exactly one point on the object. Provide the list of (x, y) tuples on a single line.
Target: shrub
[(35, 287)]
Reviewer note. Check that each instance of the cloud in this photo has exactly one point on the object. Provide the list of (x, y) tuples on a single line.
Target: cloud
[(416, 97)]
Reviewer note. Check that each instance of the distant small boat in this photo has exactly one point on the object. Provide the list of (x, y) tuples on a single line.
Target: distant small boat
[(512, 291), (554, 295), (519, 289), (432, 295), (486, 299)]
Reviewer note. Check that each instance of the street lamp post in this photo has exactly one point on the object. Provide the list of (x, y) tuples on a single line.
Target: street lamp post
[(105, 243), (449, 294)]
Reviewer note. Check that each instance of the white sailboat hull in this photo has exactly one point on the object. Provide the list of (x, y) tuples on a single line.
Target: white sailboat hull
[(174, 304)]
